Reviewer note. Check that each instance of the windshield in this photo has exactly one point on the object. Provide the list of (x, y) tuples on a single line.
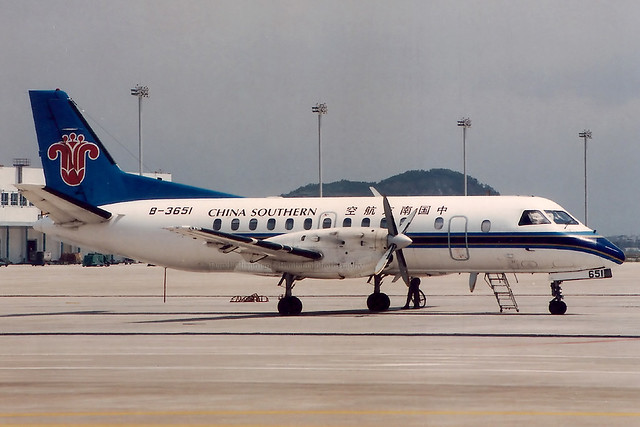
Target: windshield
[(561, 217), (533, 217)]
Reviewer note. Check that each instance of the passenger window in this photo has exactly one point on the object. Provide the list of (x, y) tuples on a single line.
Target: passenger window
[(561, 217), (438, 223), (533, 217), (346, 222), (366, 222), (288, 223), (253, 224), (271, 224), (326, 223), (308, 222), (383, 223), (217, 224), (235, 224), (485, 226)]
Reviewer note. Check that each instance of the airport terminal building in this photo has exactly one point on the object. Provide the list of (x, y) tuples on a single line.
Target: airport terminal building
[(19, 242)]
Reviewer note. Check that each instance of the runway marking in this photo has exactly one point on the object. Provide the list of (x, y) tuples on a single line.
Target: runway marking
[(345, 368), (325, 334), (321, 412), (380, 355)]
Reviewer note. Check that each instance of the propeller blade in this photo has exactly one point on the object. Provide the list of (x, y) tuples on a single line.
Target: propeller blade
[(405, 224), (391, 223), (384, 260), (402, 263)]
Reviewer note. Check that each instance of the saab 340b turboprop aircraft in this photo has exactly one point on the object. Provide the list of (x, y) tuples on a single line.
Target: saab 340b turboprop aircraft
[(88, 200)]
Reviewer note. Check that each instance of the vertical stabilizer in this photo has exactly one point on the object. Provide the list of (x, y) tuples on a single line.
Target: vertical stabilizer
[(77, 165)]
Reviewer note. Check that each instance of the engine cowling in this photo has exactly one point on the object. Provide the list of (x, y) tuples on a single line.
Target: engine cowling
[(347, 252)]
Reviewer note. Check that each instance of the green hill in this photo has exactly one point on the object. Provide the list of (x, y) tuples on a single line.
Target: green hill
[(434, 182)]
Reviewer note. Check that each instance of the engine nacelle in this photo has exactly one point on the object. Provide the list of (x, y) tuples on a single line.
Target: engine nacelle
[(347, 252)]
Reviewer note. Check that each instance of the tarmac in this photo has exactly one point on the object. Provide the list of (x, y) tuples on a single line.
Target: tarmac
[(100, 346)]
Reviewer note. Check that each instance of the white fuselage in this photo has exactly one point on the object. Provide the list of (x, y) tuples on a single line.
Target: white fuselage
[(449, 234)]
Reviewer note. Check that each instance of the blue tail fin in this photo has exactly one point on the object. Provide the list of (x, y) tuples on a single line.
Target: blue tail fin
[(77, 165)]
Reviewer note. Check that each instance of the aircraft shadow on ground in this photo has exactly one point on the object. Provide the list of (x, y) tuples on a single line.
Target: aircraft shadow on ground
[(241, 315)]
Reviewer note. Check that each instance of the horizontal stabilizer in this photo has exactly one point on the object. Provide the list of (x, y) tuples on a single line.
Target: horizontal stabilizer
[(62, 209), (258, 249)]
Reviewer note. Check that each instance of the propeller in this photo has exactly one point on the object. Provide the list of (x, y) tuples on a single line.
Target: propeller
[(396, 241)]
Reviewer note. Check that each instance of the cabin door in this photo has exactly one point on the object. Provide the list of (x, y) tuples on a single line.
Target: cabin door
[(458, 240)]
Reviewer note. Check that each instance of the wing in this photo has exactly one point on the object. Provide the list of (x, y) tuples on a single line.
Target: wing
[(62, 209), (254, 248)]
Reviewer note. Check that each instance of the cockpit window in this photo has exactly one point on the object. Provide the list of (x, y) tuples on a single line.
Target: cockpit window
[(561, 217), (533, 217)]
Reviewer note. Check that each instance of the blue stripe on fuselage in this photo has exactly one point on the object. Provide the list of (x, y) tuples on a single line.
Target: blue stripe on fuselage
[(585, 242)]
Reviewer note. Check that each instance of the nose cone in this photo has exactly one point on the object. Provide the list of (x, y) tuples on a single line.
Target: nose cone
[(610, 251), (400, 240)]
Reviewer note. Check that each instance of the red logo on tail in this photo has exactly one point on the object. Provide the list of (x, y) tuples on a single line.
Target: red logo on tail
[(73, 151)]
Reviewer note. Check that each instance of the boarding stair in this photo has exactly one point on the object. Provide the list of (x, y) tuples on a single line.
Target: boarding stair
[(499, 284)]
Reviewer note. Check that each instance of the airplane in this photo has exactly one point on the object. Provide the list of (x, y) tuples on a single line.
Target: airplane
[(89, 200)]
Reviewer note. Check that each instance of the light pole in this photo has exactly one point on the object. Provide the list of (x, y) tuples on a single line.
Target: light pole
[(319, 109), (141, 92), (465, 123), (585, 134)]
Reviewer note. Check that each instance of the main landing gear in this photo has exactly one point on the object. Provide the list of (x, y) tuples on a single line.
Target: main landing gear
[(556, 305), (288, 304), (378, 301)]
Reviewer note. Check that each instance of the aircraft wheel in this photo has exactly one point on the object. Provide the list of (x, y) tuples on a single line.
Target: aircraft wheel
[(557, 307), (290, 306), (378, 302)]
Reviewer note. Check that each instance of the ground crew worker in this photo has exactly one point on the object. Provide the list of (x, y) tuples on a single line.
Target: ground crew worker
[(414, 293)]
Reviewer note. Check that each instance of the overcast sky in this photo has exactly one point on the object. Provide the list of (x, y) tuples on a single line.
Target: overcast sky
[(232, 84)]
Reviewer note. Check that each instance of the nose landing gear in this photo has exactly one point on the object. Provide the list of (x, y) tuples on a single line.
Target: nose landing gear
[(556, 305)]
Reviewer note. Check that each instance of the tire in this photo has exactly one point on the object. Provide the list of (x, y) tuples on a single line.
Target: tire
[(378, 302), (557, 307), (290, 306)]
